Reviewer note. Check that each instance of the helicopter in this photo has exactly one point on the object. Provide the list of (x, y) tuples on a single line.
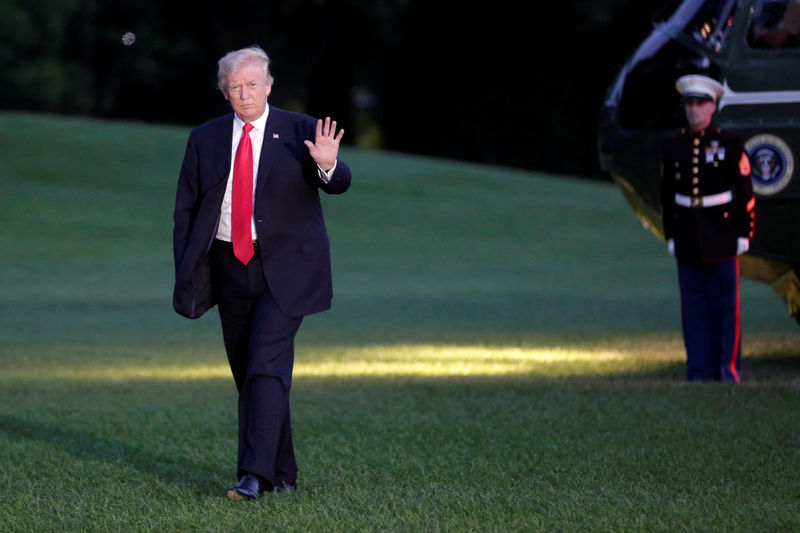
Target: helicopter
[(752, 47)]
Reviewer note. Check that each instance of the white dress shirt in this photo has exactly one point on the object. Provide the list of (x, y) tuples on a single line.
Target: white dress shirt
[(256, 139)]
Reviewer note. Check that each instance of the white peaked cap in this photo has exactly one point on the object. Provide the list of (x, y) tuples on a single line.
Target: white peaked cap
[(697, 86)]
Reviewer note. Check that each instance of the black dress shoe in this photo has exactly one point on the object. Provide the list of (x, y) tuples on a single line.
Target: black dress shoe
[(285, 487), (248, 488)]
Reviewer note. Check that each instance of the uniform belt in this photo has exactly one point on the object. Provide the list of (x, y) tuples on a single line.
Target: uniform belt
[(704, 201)]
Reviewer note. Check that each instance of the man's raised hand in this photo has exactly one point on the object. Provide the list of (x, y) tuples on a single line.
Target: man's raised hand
[(325, 148)]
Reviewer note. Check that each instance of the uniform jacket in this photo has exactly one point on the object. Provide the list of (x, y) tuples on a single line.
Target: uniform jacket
[(696, 166), (293, 241)]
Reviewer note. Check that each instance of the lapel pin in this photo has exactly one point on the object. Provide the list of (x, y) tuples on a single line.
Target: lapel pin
[(275, 136)]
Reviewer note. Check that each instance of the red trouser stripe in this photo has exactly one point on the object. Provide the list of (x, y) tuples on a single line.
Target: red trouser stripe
[(738, 329)]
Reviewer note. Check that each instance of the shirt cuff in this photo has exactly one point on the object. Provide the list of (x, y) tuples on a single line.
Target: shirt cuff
[(326, 176)]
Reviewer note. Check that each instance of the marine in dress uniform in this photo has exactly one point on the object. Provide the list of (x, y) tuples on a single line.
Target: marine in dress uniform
[(708, 213)]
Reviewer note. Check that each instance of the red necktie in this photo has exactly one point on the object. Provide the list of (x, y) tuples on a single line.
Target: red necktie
[(242, 202)]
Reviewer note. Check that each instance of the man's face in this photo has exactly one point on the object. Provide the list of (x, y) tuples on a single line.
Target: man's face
[(699, 112), (248, 90)]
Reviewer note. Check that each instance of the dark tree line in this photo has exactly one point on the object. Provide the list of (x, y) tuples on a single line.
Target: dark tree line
[(503, 82)]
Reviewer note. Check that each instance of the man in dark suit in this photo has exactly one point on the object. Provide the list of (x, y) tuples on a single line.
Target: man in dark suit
[(708, 214), (250, 238)]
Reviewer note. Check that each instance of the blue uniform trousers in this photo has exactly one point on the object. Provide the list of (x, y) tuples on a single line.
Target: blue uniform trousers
[(711, 320)]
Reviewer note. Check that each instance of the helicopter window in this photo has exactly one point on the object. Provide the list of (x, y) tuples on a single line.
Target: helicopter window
[(706, 22), (648, 98), (776, 24)]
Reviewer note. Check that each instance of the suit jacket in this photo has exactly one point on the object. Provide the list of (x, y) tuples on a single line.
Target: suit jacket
[(293, 241), (697, 165)]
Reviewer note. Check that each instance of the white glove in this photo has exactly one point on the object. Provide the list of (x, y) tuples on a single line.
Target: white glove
[(742, 245), (671, 247)]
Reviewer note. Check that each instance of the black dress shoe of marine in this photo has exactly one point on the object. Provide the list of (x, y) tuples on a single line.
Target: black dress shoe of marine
[(248, 488), (285, 487)]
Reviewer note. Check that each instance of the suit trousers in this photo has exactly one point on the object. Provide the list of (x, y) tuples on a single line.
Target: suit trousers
[(711, 319), (259, 341)]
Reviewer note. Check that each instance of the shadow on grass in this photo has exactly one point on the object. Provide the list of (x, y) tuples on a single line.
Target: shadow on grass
[(777, 367), (175, 470), (772, 368)]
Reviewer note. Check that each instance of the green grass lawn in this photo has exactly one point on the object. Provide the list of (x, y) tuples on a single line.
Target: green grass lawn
[(504, 354)]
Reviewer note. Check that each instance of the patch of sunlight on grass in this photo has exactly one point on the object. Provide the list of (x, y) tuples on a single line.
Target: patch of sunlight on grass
[(396, 361), (440, 361), (123, 372)]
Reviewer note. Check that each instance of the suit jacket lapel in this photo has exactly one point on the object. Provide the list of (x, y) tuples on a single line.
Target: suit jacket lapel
[(269, 148), (223, 155)]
